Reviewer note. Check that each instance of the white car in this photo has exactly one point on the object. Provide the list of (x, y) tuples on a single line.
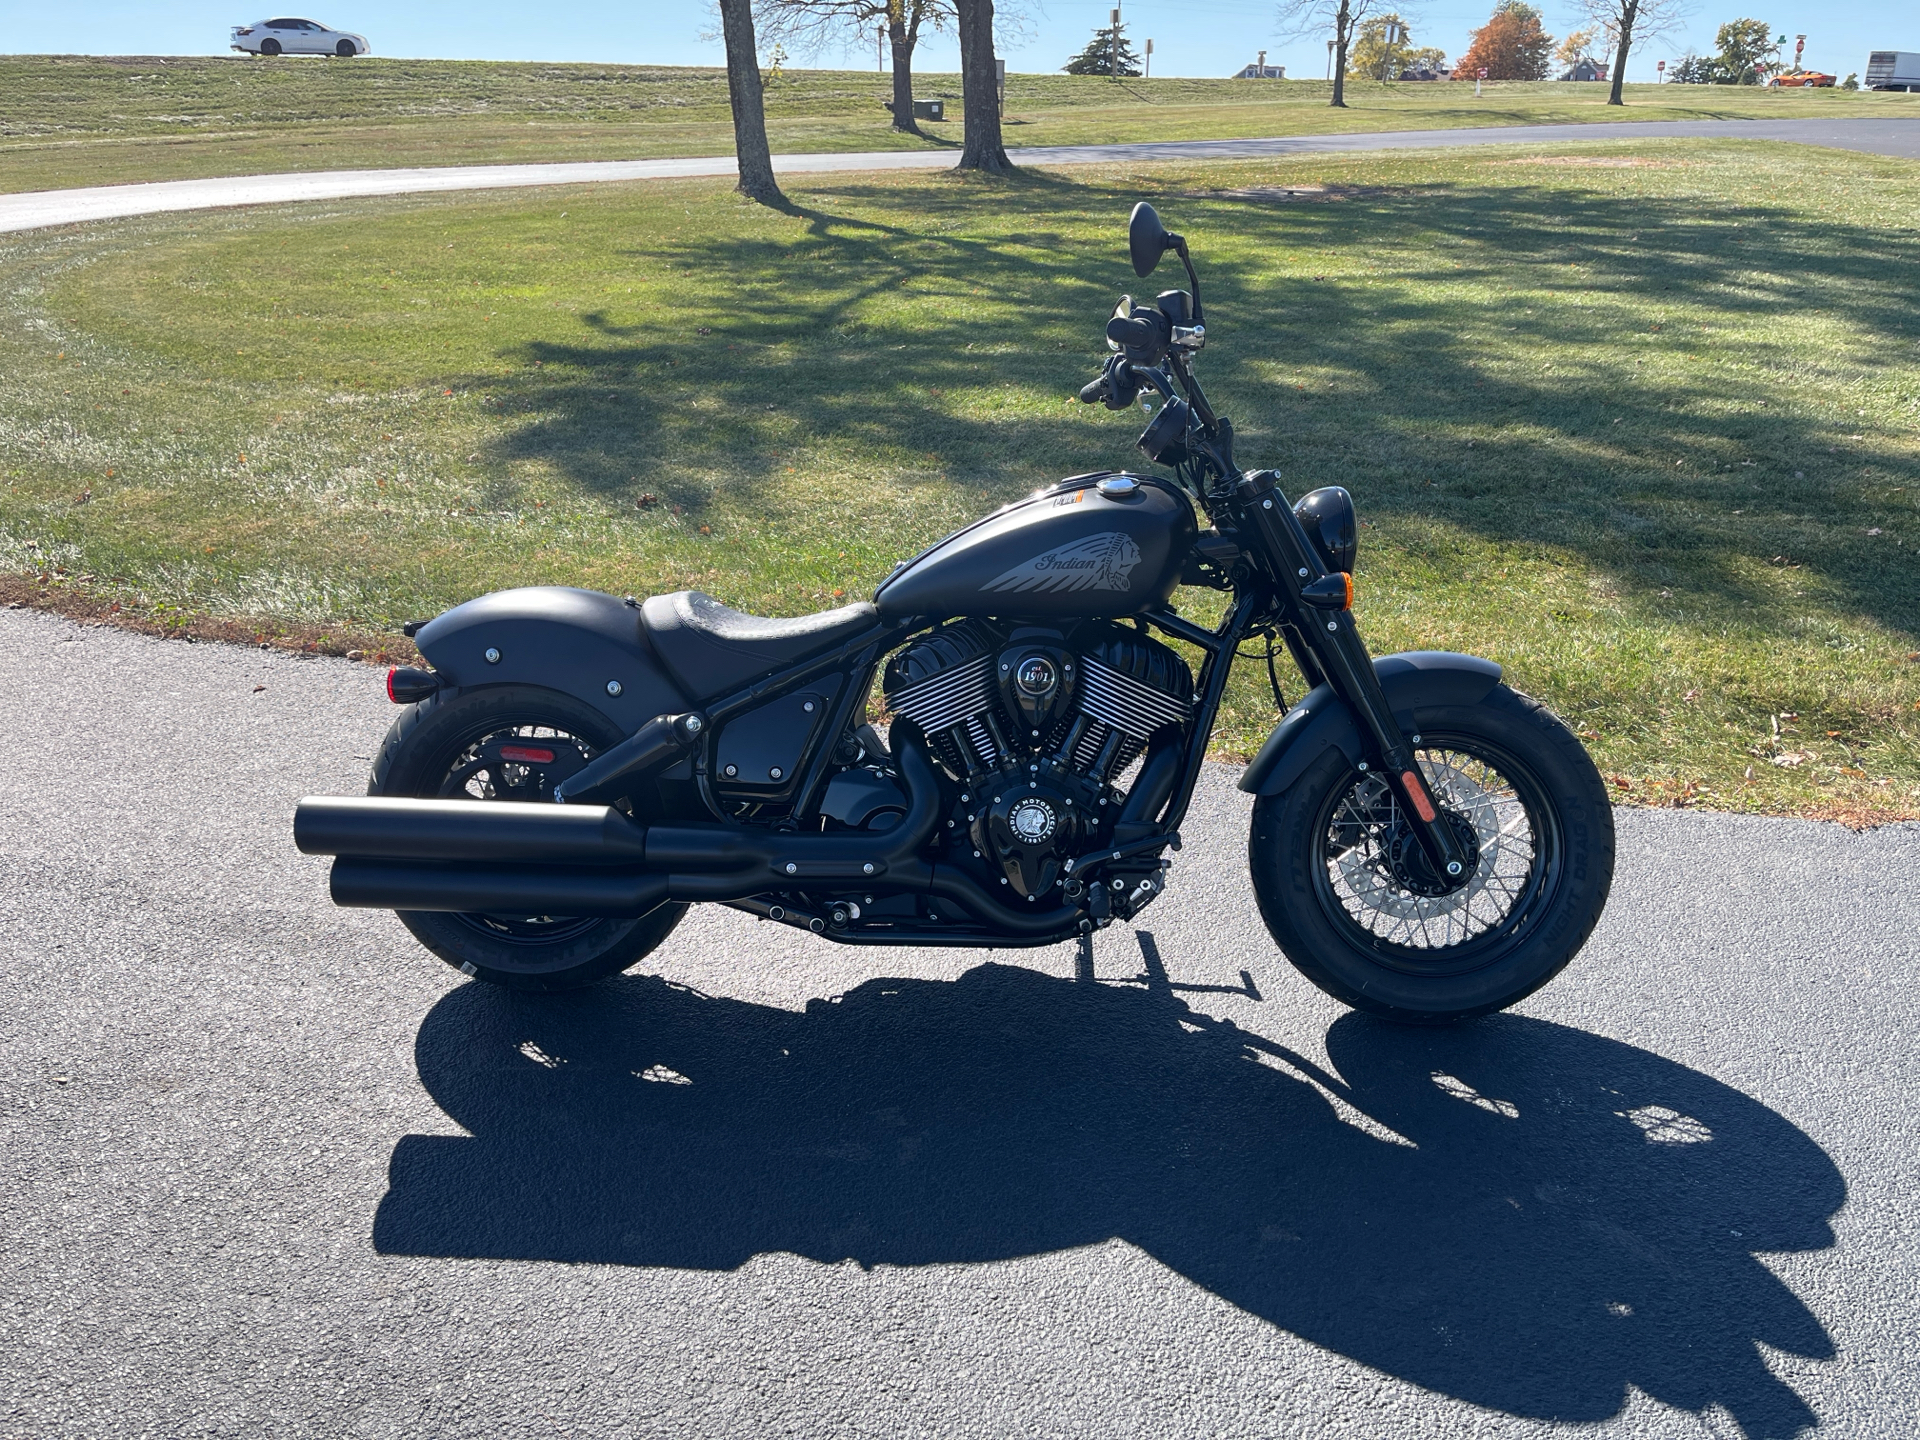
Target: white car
[(296, 37)]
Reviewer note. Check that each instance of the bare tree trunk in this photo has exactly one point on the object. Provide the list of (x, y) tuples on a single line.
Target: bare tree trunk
[(979, 89), (749, 108), (1342, 24), (1629, 12), (901, 39)]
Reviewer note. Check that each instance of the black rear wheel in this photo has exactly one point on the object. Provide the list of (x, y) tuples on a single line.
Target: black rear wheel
[(269, 47), (1350, 897), (511, 742)]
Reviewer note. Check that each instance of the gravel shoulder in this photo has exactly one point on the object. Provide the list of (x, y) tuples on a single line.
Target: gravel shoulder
[(270, 1168)]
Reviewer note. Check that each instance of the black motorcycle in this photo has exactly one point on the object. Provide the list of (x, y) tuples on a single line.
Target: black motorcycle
[(1427, 843)]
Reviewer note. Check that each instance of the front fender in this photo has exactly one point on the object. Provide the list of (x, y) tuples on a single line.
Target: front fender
[(575, 641), (1322, 719)]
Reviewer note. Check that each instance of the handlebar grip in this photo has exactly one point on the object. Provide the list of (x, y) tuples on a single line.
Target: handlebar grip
[(1094, 390), (1134, 334)]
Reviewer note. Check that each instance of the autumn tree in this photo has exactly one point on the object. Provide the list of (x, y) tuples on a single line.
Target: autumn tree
[(1512, 45), (751, 152), (814, 25), (1382, 48), (1744, 48), (1576, 47), (1317, 17), (1621, 23)]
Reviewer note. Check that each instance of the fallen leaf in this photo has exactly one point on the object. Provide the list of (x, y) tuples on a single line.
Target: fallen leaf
[(1789, 760), (1691, 695), (258, 688)]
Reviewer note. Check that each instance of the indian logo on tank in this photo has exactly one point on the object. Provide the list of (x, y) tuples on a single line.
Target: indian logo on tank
[(1099, 562)]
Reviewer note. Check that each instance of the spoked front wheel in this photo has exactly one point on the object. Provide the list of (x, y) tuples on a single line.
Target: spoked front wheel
[(1349, 894)]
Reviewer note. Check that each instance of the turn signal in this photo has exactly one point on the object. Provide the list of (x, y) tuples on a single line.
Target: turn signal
[(406, 685), (1329, 592)]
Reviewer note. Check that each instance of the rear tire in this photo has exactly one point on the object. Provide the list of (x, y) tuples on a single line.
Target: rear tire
[(433, 751), (269, 48), (1346, 894)]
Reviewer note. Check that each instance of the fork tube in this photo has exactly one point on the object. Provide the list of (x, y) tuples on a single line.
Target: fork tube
[(1331, 637)]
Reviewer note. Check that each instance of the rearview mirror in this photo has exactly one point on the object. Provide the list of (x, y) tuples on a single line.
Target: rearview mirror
[(1147, 239)]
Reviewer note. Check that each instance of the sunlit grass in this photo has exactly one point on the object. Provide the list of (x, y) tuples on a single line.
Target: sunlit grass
[(1652, 448), (90, 120)]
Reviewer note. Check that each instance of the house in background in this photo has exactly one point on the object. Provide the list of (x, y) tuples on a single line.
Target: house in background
[(1260, 72), (1427, 72), (1586, 70)]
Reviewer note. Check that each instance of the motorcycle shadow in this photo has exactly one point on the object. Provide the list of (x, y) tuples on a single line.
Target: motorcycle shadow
[(1512, 1212)]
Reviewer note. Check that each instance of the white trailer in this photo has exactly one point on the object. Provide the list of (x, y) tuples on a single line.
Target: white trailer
[(1893, 70)]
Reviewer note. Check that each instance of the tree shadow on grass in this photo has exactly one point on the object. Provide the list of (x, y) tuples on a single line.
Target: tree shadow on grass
[(806, 343), (1533, 1218)]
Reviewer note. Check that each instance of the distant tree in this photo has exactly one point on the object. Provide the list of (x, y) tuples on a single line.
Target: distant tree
[(1622, 22), (1512, 45), (1427, 57), (815, 25), (982, 147), (1098, 57), (1852, 82), (751, 152), (1374, 56), (1576, 47), (1744, 48), (1316, 17), (1692, 69)]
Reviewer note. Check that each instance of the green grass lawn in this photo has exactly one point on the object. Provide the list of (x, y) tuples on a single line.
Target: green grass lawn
[(1640, 422), (84, 120)]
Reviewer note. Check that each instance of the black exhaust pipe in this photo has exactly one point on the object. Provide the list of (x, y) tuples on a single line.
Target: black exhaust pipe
[(494, 889), (500, 857)]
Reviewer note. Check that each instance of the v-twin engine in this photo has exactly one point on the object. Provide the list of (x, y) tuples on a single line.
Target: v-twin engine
[(1039, 727)]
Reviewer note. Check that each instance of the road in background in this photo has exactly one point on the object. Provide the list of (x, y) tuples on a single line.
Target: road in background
[(38, 209), (271, 1169)]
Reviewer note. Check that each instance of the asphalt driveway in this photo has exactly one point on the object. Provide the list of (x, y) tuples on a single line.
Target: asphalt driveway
[(270, 1169)]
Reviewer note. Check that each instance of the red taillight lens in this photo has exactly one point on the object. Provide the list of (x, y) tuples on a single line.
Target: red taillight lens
[(526, 754), (406, 685), (390, 674)]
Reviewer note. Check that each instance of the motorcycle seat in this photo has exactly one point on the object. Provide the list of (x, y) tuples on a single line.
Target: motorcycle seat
[(711, 649)]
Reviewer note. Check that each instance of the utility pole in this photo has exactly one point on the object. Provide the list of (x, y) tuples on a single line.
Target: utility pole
[(879, 44), (1260, 66), (1113, 64), (1330, 45), (1149, 65)]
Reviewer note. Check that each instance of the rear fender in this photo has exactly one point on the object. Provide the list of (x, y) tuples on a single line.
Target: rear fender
[(1322, 720), (579, 642)]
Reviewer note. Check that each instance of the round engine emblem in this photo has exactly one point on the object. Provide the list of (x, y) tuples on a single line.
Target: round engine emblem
[(1032, 821), (1037, 675)]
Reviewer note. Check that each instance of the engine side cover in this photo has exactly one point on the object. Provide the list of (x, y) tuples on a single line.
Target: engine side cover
[(1025, 830), (1070, 554)]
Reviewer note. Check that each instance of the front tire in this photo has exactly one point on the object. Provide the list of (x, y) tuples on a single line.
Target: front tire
[(345, 50), (1347, 895), (452, 749)]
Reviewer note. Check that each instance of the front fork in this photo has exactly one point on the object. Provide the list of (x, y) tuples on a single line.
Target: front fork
[(1329, 634)]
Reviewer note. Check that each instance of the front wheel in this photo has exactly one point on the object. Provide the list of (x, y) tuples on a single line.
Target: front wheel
[(1348, 894), (511, 742)]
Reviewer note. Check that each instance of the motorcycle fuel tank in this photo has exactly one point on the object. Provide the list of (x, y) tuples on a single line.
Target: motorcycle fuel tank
[(1095, 546)]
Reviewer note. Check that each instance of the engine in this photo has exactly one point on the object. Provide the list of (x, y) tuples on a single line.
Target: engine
[(1037, 726)]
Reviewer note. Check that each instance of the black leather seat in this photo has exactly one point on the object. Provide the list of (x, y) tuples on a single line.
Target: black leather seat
[(712, 650)]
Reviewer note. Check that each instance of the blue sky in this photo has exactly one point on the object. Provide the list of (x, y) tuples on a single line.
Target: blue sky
[(1191, 37)]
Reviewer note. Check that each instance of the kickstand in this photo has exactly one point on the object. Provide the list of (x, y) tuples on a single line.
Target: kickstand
[(1083, 962)]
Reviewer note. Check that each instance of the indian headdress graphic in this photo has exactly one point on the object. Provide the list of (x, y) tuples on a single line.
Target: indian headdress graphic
[(1099, 562)]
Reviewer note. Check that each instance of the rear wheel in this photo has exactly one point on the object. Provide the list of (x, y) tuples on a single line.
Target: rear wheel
[(512, 742), (269, 47), (1350, 896)]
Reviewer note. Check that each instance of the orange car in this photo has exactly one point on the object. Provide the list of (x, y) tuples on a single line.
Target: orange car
[(1811, 79)]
